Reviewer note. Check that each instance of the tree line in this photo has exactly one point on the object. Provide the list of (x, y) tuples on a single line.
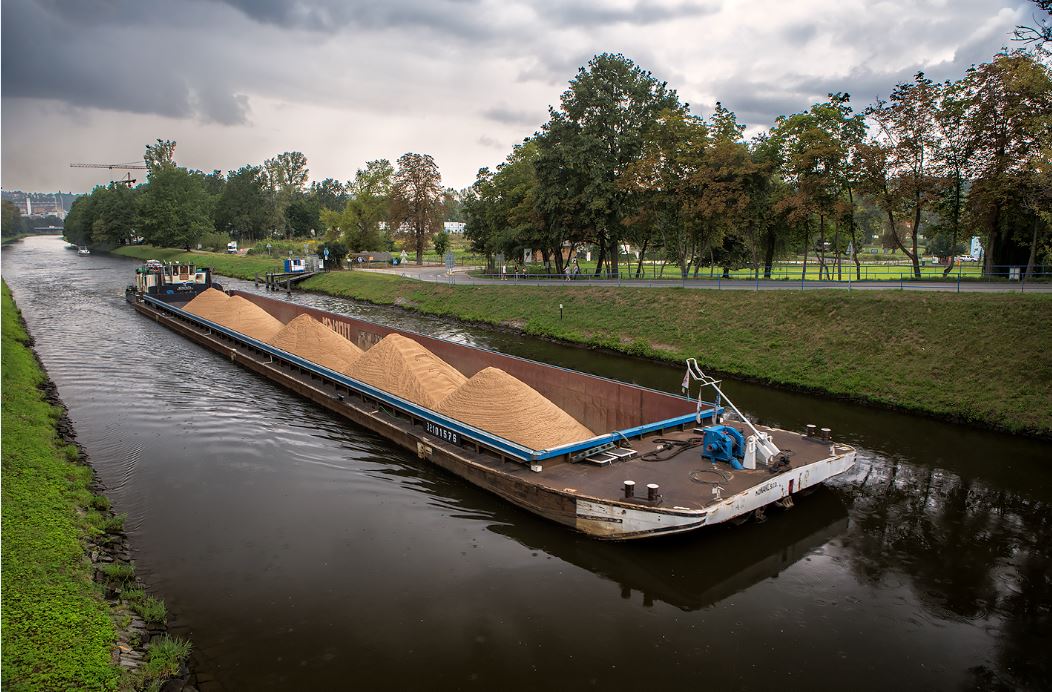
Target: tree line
[(179, 207), (623, 162)]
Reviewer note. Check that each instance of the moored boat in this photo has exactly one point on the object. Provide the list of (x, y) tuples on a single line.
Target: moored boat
[(655, 463)]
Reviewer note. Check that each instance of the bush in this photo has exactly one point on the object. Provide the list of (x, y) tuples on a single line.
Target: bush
[(214, 242), (281, 248), (118, 572)]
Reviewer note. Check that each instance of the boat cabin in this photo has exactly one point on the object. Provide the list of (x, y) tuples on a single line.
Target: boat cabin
[(175, 281)]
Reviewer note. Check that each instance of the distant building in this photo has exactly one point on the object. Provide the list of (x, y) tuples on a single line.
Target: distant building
[(453, 227)]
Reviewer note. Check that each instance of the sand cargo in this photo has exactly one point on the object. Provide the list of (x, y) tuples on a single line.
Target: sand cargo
[(609, 459)]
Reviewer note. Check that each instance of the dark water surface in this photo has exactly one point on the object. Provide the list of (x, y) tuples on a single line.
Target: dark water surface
[(301, 552)]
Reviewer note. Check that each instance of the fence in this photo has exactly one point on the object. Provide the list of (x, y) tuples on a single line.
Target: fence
[(874, 275)]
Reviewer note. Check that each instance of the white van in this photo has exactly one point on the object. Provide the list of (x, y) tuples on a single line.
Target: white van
[(231, 247)]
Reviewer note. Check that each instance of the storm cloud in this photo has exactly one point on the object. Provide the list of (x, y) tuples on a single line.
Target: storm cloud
[(238, 81)]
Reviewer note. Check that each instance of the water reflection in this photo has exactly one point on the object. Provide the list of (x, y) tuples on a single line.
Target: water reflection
[(301, 551)]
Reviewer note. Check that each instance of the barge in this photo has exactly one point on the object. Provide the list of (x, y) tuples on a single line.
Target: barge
[(663, 464)]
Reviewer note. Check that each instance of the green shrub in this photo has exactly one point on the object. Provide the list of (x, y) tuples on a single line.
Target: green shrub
[(118, 572), (281, 248), (215, 242), (164, 657)]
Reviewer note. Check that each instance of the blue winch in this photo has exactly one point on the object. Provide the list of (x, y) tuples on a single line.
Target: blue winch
[(723, 443)]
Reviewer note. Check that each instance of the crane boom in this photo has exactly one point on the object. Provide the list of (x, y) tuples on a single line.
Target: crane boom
[(111, 166)]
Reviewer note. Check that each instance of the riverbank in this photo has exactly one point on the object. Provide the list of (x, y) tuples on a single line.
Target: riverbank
[(74, 614), (980, 359)]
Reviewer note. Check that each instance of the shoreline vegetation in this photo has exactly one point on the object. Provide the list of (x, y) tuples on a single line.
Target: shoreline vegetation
[(75, 616), (979, 359)]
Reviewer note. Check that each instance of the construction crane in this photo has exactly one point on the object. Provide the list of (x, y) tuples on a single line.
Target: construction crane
[(126, 180)]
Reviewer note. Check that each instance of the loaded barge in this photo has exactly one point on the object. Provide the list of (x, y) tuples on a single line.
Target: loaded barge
[(662, 464)]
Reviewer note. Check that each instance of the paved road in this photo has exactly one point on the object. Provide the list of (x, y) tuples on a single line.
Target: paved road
[(461, 277)]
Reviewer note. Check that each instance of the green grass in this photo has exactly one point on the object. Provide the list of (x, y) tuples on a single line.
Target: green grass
[(977, 358), (56, 632), (149, 608)]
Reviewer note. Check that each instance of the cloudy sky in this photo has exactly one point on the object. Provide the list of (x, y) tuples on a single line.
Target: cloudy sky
[(238, 81)]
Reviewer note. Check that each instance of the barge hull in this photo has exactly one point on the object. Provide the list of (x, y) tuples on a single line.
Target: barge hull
[(546, 494)]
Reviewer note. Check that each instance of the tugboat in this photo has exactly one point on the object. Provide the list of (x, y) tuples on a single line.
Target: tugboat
[(177, 282)]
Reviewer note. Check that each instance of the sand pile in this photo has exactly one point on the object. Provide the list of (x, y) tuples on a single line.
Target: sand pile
[(208, 304), (246, 317), (498, 403), (404, 368), (308, 338)]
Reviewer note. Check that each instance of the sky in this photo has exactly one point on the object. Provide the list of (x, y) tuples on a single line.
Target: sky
[(235, 82)]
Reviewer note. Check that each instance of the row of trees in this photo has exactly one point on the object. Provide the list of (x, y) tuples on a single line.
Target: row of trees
[(622, 161), (178, 207)]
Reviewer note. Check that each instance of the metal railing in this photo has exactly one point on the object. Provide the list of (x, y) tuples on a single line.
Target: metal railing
[(903, 276)]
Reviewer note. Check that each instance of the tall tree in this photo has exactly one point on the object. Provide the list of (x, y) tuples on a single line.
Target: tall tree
[(160, 156), (244, 208), (12, 220), (360, 222), (590, 141), (416, 200), (1041, 32), (116, 215), (816, 153), (329, 194), (287, 175), (899, 166), (1009, 120), (664, 180), (176, 208), (952, 165)]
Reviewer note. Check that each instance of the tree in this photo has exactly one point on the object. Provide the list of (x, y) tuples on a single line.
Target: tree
[(160, 156), (598, 131), (441, 241), (287, 175), (898, 165), (78, 224), (243, 210), (361, 220), (12, 220), (1008, 121), (952, 164), (1041, 32), (329, 194), (176, 208), (664, 180), (116, 215), (416, 199), (816, 150), (337, 251)]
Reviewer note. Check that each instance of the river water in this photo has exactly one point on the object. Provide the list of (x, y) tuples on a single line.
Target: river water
[(301, 552)]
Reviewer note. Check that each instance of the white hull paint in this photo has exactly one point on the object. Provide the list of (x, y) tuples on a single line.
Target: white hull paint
[(622, 521)]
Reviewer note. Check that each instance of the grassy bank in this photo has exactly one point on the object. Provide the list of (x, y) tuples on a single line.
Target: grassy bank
[(977, 358), (58, 632)]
